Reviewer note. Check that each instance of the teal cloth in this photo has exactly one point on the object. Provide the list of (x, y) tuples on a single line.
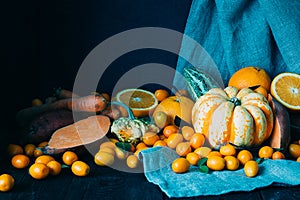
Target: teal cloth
[(229, 35), (236, 34), (157, 167)]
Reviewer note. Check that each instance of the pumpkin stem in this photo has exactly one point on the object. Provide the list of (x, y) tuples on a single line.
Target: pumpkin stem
[(235, 101)]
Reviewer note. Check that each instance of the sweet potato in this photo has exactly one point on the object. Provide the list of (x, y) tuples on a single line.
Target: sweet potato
[(43, 126), (90, 103), (61, 93), (82, 132), (280, 137)]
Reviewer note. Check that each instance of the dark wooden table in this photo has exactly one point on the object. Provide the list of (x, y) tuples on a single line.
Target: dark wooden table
[(108, 183)]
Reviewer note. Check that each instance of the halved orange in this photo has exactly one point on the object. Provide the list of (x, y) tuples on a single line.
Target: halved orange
[(140, 101), (285, 88)]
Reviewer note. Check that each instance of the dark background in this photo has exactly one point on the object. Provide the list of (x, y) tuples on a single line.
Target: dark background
[(44, 43)]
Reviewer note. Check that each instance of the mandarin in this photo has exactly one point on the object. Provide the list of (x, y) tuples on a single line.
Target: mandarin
[(39, 171), (149, 138), (170, 129), (244, 155), (180, 165), (187, 132), (161, 94), (215, 163), (183, 148), (251, 168), (197, 140), (174, 139), (250, 76), (7, 182), (265, 152), (193, 158), (228, 150), (20, 161), (80, 168)]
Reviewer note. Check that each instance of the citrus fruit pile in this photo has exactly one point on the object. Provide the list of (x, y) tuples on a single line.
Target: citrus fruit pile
[(172, 116), (284, 87), (40, 165)]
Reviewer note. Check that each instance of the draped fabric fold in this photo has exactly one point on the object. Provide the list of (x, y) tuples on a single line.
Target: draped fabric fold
[(236, 34)]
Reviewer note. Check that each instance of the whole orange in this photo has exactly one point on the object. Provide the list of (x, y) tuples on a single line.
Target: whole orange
[(228, 150), (294, 150), (216, 163), (39, 171), (69, 157), (14, 149), (250, 76), (7, 182), (132, 161), (244, 156), (149, 138), (231, 162), (251, 168), (174, 139), (80, 168), (265, 152), (193, 158), (197, 140), (180, 165), (44, 159), (173, 106), (161, 94), (20, 161), (278, 155), (160, 143), (54, 167), (170, 129), (183, 148)]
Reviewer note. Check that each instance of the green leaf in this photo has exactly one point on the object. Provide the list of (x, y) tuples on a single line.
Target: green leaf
[(124, 146), (259, 160), (201, 162), (204, 169), (65, 166)]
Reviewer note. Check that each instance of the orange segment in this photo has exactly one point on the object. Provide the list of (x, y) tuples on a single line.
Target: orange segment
[(140, 101), (285, 88)]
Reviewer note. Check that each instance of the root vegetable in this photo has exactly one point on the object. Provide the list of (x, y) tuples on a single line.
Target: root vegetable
[(43, 126), (82, 132), (90, 103), (280, 137)]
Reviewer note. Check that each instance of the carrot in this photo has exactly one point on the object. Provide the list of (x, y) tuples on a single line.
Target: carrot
[(90, 103)]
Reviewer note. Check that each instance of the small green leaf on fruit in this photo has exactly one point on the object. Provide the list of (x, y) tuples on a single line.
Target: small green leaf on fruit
[(124, 146), (201, 162), (260, 160), (204, 169)]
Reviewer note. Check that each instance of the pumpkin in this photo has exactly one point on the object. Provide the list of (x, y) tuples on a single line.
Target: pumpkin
[(240, 117)]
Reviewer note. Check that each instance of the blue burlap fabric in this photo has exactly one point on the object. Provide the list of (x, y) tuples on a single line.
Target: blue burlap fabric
[(157, 167), (233, 34)]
